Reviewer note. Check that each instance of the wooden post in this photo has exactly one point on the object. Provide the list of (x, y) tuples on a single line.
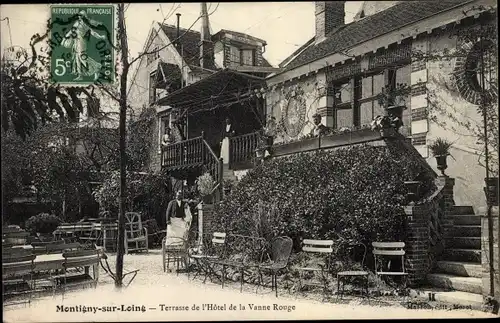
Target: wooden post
[(221, 177)]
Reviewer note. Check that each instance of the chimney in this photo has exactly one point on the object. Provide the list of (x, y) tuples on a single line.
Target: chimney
[(177, 43), (329, 16), (206, 45)]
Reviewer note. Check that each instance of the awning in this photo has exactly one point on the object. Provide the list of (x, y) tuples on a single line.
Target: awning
[(224, 87)]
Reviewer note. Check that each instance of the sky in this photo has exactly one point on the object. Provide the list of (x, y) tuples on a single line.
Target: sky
[(283, 25)]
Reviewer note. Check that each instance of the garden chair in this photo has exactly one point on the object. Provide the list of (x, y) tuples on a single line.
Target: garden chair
[(383, 253), (322, 248), (175, 246), (281, 249), (136, 234), (210, 247), (244, 252), (17, 270), (345, 274), (80, 258)]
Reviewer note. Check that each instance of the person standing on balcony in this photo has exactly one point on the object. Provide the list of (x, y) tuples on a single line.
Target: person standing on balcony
[(226, 134), (167, 138), (319, 129)]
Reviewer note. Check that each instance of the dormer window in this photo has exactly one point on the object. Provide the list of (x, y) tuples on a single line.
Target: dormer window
[(247, 57)]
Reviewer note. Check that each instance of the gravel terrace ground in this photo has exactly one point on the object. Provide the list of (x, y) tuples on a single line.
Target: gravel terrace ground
[(155, 295)]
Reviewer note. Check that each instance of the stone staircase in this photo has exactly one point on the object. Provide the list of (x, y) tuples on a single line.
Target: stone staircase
[(459, 267), (228, 174)]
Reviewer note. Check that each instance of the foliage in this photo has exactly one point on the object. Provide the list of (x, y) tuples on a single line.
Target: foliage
[(440, 147), (42, 223), (146, 193), (393, 96), (446, 112), (29, 100), (139, 143), (205, 184), (384, 122), (354, 193)]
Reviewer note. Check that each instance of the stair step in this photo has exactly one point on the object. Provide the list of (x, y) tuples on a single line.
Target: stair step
[(464, 242), (466, 255), (468, 219), (463, 210), (451, 282), (458, 268), (466, 231)]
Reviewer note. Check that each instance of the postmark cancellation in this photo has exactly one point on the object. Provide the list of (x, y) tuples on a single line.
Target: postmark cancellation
[(82, 44)]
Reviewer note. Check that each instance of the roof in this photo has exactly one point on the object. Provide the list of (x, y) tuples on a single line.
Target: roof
[(237, 33), (380, 23), (222, 87), (190, 42)]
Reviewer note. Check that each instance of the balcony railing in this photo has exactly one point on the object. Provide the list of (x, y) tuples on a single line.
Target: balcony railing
[(242, 148), (185, 153)]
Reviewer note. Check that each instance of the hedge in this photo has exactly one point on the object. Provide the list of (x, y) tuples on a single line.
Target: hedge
[(355, 193)]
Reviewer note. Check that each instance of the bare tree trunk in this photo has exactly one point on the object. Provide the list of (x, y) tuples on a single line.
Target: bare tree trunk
[(122, 32)]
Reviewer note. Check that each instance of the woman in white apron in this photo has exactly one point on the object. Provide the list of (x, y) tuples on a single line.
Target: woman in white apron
[(224, 147)]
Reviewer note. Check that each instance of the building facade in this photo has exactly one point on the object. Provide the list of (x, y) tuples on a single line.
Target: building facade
[(344, 67)]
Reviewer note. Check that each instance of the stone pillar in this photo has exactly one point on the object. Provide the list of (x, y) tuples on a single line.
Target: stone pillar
[(485, 253), (449, 202), (417, 244), (206, 221)]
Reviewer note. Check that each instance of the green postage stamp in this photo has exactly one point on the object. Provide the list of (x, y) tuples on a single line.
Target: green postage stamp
[(82, 43)]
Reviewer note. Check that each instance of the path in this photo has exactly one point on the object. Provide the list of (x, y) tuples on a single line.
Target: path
[(167, 297)]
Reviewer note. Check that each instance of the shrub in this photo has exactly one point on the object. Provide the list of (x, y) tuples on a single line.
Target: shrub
[(146, 193), (356, 193), (42, 223)]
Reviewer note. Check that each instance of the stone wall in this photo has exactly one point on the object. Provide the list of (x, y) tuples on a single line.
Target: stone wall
[(420, 254), (485, 257)]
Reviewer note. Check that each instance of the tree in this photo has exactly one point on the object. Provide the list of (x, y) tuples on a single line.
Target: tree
[(30, 100), (119, 94)]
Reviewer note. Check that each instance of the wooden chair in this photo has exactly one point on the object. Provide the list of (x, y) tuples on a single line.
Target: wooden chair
[(363, 274), (17, 274), (281, 248), (136, 234), (388, 251), (81, 258), (318, 248), (210, 247), (176, 249)]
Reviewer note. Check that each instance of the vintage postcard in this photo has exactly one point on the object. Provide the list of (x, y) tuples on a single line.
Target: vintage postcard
[(250, 160)]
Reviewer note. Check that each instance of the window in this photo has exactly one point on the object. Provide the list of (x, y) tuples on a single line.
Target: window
[(355, 101), (152, 88), (342, 103), (235, 56), (247, 57)]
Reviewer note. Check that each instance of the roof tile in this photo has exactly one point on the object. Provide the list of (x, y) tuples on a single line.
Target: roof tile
[(372, 26)]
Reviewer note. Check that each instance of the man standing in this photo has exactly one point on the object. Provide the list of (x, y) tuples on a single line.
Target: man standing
[(177, 209)]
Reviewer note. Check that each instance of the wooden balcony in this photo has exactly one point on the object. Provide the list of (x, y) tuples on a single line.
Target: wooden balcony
[(189, 154), (242, 150)]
